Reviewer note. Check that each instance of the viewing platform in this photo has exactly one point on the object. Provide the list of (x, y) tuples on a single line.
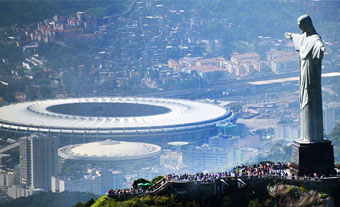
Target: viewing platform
[(216, 187)]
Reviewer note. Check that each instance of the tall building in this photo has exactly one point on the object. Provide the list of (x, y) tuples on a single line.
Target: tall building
[(96, 181), (282, 61), (218, 154), (330, 115), (247, 62), (38, 160), (287, 130)]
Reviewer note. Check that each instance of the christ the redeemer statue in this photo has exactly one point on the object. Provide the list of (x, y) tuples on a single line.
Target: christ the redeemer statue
[(311, 153), (311, 50)]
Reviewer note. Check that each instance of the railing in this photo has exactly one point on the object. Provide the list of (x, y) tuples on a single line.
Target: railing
[(157, 184), (161, 188), (155, 189)]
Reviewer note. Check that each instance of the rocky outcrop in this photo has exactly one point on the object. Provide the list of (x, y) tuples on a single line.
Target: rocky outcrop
[(294, 196)]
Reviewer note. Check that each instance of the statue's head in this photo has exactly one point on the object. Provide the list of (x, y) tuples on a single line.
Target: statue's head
[(305, 24)]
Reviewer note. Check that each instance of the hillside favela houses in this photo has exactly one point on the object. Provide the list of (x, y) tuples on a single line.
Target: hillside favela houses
[(239, 65), (83, 27)]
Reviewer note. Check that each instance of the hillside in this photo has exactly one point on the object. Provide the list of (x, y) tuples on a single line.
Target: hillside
[(265, 194), (49, 199), (335, 138), (28, 12)]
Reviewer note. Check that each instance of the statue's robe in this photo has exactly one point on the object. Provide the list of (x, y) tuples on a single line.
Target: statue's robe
[(310, 55)]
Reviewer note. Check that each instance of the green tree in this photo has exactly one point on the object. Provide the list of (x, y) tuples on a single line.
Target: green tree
[(139, 180), (156, 179), (89, 202), (255, 203)]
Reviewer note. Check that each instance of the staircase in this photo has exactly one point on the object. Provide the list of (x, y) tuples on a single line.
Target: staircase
[(159, 187)]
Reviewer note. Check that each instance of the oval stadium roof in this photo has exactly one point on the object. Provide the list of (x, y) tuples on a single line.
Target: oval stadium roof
[(97, 115)]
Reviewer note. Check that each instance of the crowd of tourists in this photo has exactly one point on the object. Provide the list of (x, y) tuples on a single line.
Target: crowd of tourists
[(279, 169), (117, 193), (239, 171), (261, 169), (267, 168)]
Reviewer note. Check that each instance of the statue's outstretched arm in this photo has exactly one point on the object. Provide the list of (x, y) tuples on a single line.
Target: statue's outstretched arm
[(288, 35)]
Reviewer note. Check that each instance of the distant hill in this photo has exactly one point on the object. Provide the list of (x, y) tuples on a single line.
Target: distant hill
[(49, 199), (335, 138), (27, 12)]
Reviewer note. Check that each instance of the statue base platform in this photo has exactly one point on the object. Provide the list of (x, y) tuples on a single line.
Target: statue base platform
[(310, 158)]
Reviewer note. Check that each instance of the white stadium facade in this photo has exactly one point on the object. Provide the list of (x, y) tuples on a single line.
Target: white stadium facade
[(80, 120)]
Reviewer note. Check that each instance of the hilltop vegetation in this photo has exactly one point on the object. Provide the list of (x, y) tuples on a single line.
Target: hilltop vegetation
[(166, 201), (264, 194)]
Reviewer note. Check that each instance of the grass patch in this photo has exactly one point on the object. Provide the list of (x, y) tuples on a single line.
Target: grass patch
[(100, 202), (322, 195), (290, 188), (302, 189)]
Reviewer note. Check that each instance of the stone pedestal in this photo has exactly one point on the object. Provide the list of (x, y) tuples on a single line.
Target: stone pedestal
[(310, 158)]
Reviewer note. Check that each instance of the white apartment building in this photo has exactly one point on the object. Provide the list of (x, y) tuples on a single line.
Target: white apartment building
[(38, 160)]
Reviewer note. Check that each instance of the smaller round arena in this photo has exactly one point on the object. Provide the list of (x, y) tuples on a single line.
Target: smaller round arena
[(113, 154)]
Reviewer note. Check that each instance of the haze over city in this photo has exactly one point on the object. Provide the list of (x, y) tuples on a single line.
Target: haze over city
[(97, 94)]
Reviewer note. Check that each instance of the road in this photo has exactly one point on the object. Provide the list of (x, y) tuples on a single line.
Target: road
[(123, 12), (216, 85)]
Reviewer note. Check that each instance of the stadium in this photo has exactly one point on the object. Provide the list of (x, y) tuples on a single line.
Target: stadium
[(80, 120), (118, 155)]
